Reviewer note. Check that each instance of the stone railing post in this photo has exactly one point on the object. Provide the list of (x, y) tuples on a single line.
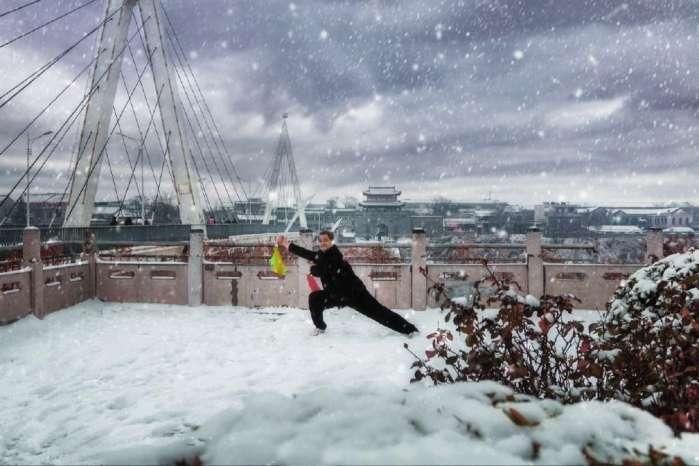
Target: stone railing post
[(418, 263), (195, 265), (31, 257), (535, 264), (89, 254), (304, 268), (654, 245)]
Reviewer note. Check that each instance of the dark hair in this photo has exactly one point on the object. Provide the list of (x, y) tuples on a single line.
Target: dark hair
[(327, 233)]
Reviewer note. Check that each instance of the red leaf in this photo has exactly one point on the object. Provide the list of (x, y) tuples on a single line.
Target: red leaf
[(519, 419), (584, 346)]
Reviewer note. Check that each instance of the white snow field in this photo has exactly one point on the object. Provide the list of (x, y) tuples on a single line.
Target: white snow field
[(147, 384)]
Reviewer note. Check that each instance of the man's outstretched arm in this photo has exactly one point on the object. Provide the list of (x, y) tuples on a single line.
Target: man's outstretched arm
[(295, 249)]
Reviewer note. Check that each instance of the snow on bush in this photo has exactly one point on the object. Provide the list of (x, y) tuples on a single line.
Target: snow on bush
[(469, 423), (647, 343), (531, 345), (644, 351)]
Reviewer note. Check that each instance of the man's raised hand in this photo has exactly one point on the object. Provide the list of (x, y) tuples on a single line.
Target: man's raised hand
[(282, 241)]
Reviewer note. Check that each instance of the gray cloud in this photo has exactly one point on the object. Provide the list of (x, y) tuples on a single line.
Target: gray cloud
[(463, 97)]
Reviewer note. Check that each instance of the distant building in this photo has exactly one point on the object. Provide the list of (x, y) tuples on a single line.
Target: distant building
[(250, 211), (14, 216), (673, 218), (595, 216), (514, 219), (382, 198), (561, 219), (383, 215), (461, 224), (646, 217), (432, 224), (106, 211), (539, 214), (46, 209)]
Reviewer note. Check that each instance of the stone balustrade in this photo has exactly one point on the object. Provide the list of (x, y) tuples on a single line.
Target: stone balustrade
[(401, 284)]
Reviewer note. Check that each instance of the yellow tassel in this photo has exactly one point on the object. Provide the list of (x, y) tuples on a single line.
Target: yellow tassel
[(276, 262)]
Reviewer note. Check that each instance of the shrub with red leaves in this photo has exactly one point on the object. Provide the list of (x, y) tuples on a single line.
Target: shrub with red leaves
[(647, 343), (529, 345), (644, 350)]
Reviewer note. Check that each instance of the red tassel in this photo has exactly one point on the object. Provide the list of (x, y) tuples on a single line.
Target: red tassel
[(313, 283)]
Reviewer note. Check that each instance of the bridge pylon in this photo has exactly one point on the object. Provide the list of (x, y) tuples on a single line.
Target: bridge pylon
[(283, 190), (96, 124)]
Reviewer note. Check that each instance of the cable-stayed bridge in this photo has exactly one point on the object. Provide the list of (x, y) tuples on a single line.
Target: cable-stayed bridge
[(127, 122)]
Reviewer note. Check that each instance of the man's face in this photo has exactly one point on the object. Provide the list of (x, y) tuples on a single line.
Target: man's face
[(325, 242)]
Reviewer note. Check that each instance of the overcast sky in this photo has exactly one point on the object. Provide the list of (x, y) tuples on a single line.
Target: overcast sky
[(524, 101)]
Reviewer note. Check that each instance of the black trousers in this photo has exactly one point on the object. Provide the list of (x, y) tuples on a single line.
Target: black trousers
[(362, 302)]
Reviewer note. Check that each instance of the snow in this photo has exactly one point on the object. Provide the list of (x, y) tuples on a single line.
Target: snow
[(679, 230), (532, 301), (149, 384), (12, 272), (66, 265), (643, 283), (627, 229)]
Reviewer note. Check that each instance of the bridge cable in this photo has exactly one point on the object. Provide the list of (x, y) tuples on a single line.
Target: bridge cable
[(201, 95), (47, 106), (194, 105), (201, 184), (138, 126), (166, 149), (99, 156), (48, 22), (104, 149), (118, 119), (72, 174), (140, 132), (21, 7), (203, 157), (83, 103), (111, 172), (203, 103), (118, 57), (201, 128), (144, 137), (157, 190), (77, 111)]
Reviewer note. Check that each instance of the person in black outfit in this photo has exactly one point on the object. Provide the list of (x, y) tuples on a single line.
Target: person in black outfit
[(341, 287)]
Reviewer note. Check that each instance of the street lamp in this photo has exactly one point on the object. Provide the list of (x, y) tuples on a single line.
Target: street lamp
[(139, 157), (29, 154)]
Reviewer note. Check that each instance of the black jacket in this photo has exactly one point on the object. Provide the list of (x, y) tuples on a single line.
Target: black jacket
[(335, 273)]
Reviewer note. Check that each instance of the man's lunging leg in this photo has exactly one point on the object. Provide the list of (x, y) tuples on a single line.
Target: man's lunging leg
[(370, 307), (318, 301)]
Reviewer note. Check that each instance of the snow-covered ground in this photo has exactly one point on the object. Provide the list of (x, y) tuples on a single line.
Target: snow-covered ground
[(138, 383)]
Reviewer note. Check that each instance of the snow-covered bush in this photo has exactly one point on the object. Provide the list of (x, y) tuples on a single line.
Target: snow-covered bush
[(529, 345), (643, 351), (647, 344)]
